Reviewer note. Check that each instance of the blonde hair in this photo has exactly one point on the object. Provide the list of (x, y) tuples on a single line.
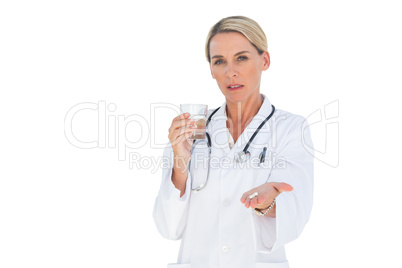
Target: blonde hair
[(240, 24)]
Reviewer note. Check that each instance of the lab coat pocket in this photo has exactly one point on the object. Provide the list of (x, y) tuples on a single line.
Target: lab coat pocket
[(284, 264), (179, 265)]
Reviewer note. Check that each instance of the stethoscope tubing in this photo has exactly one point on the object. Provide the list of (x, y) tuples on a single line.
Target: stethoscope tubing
[(244, 152)]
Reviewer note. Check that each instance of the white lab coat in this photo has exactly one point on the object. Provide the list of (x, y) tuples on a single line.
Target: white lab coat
[(216, 229)]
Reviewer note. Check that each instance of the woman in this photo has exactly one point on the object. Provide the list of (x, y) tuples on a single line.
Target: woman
[(274, 178)]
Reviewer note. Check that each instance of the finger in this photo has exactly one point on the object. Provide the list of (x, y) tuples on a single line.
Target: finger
[(246, 195), (177, 119), (180, 124), (283, 187), (179, 132), (243, 198), (182, 136), (179, 127), (253, 202), (190, 141), (247, 202), (181, 116), (260, 199)]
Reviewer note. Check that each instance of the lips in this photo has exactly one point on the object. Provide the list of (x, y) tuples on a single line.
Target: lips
[(234, 87)]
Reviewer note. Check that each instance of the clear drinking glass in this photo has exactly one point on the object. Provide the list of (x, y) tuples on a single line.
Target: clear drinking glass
[(198, 112)]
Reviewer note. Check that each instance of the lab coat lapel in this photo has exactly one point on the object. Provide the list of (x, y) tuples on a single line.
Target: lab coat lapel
[(218, 131), (262, 114), (219, 135)]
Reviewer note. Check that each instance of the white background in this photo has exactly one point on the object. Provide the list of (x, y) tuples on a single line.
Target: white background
[(63, 206)]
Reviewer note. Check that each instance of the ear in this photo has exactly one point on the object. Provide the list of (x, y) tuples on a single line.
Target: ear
[(266, 60)]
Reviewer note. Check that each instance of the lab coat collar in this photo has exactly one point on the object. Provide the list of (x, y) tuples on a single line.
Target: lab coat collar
[(219, 135)]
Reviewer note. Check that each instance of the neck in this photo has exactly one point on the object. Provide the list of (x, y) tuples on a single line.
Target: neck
[(241, 113)]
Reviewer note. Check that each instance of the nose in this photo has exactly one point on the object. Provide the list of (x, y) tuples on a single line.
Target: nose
[(231, 70)]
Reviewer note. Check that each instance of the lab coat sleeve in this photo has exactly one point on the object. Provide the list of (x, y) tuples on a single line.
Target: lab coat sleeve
[(293, 165), (170, 210)]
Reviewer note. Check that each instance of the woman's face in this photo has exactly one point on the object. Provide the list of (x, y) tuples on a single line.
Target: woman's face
[(236, 65)]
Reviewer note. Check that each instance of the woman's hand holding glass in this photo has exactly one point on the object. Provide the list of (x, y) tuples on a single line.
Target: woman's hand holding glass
[(180, 129)]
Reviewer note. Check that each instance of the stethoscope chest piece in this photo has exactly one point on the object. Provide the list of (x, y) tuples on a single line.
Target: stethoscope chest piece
[(242, 156)]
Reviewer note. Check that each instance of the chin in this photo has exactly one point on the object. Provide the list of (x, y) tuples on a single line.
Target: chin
[(235, 96)]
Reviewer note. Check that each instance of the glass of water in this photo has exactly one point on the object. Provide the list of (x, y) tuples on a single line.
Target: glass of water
[(198, 112)]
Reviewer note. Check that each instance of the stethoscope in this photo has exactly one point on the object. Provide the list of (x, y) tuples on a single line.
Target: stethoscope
[(241, 156)]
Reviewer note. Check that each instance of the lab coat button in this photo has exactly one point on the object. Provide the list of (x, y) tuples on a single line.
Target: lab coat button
[(225, 249), (226, 203)]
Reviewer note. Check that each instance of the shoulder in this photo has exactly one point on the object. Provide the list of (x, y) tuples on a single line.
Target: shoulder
[(212, 110), (292, 134), (212, 113), (288, 123)]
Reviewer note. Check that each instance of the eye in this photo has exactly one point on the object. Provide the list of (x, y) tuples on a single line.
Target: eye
[(218, 62), (241, 58)]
